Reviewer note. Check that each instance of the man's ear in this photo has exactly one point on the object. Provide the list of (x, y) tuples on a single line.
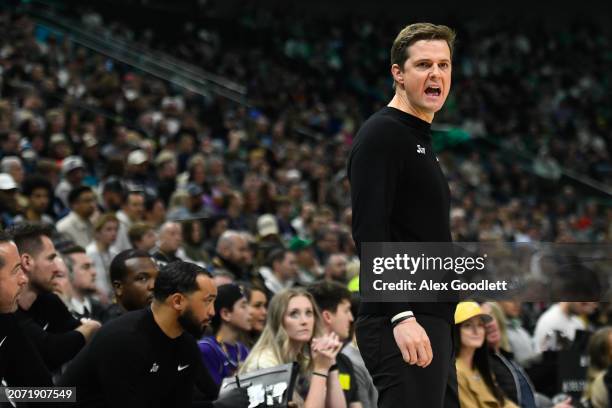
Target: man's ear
[(27, 262), (327, 316), (398, 74), (118, 288), (178, 301)]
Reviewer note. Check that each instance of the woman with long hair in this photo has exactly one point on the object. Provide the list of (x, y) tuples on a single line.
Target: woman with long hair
[(293, 333), (477, 388)]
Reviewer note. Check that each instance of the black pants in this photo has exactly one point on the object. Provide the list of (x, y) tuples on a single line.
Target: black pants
[(402, 384)]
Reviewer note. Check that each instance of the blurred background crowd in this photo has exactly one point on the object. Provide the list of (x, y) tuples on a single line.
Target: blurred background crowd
[(255, 190)]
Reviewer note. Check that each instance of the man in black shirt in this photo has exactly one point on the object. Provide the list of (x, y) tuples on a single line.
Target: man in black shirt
[(57, 335), (334, 302), (132, 274), (20, 363), (149, 357), (399, 194)]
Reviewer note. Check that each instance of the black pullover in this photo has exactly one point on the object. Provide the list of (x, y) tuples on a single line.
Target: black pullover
[(398, 194), (131, 363)]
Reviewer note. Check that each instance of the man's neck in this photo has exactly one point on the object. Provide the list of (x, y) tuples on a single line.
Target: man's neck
[(81, 217), (167, 253), (33, 215), (79, 295), (227, 334), (400, 102), (166, 320), (27, 298), (279, 276)]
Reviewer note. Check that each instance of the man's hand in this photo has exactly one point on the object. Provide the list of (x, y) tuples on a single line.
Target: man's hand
[(413, 342), (88, 328)]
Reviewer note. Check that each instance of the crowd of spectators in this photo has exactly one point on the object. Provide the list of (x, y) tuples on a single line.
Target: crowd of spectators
[(118, 161)]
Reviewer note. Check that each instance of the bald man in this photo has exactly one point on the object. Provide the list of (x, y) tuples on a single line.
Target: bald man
[(170, 240), (232, 255)]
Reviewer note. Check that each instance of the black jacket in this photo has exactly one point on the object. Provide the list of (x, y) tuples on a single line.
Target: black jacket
[(506, 376)]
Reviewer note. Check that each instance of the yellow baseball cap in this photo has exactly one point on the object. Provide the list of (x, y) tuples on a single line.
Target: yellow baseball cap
[(467, 310)]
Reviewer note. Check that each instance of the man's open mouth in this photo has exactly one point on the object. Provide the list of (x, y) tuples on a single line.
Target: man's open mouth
[(433, 91)]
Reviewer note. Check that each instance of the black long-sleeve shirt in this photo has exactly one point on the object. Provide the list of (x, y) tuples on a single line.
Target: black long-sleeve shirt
[(132, 363), (398, 194), (50, 326), (20, 362)]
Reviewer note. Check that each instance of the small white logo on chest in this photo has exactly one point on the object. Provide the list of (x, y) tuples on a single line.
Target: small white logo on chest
[(154, 368), (420, 149)]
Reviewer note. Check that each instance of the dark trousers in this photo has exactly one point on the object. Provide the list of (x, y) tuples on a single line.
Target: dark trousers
[(400, 384)]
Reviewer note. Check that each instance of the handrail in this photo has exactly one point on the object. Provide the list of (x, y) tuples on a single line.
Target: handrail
[(152, 62)]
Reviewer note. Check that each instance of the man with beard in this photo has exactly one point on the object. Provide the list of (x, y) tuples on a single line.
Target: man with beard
[(133, 273), (57, 335), (335, 268), (82, 275), (232, 252), (149, 357)]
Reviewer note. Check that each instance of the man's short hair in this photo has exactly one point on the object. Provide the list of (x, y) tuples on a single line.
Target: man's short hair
[(66, 256), (137, 231), (415, 32), (227, 239), (118, 268), (276, 255), (34, 182), (177, 277), (329, 295), (76, 192), (28, 237)]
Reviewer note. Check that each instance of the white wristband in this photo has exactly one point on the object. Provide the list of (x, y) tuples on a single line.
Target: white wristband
[(407, 313)]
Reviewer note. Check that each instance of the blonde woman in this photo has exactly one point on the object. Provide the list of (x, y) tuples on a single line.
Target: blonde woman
[(290, 335)]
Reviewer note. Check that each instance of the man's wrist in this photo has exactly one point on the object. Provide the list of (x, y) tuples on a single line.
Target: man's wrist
[(401, 317)]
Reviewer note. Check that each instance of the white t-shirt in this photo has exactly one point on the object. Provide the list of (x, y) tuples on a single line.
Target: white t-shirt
[(551, 321)]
